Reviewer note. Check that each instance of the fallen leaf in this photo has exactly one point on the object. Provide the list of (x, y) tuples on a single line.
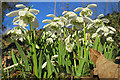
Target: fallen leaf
[(104, 67)]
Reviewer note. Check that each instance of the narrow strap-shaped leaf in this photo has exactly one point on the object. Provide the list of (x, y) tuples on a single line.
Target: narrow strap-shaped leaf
[(40, 64), (80, 68), (13, 57), (23, 56)]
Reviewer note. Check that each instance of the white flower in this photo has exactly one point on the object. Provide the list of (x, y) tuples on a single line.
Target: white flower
[(51, 15), (46, 21), (100, 16), (69, 47), (53, 57), (53, 62), (110, 39), (79, 19), (44, 65), (64, 12), (67, 40), (24, 15), (20, 6), (70, 14), (85, 11), (54, 36), (49, 40), (56, 19), (49, 33), (92, 5), (113, 29), (16, 34), (94, 35)]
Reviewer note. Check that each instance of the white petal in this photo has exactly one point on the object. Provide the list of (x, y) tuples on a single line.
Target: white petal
[(47, 25), (105, 20), (16, 19), (61, 23), (94, 35), (13, 13), (53, 57), (20, 6), (51, 15), (64, 12), (35, 23), (78, 9), (68, 25), (110, 39), (46, 21), (67, 40), (88, 20), (111, 28), (92, 5), (35, 11), (22, 13), (56, 18), (100, 16), (44, 65), (111, 32)]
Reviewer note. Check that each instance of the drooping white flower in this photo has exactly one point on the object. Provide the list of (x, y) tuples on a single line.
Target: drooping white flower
[(94, 35), (17, 34), (20, 6), (53, 62), (67, 40), (85, 11), (53, 57), (113, 29), (69, 47), (70, 14), (49, 40), (79, 19), (23, 16), (51, 15), (109, 39), (46, 21), (54, 36)]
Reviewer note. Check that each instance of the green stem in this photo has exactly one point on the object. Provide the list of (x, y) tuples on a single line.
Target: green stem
[(84, 42)]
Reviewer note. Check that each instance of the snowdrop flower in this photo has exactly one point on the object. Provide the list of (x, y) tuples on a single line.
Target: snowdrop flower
[(49, 33), (45, 64), (113, 29), (54, 36), (110, 39), (53, 62), (79, 19), (49, 40), (94, 35), (16, 34), (46, 21), (69, 14), (67, 40), (24, 15), (69, 47), (51, 15), (53, 57), (85, 11)]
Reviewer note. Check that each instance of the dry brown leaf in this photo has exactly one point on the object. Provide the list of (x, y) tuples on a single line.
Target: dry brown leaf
[(104, 68)]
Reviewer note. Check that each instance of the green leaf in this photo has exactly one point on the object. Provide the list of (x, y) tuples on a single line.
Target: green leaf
[(40, 65), (23, 56), (49, 69), (80, 68), (34, 58), (3, 74), (13, 57)]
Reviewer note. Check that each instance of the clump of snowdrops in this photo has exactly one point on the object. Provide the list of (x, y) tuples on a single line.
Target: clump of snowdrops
[(57, 47)]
